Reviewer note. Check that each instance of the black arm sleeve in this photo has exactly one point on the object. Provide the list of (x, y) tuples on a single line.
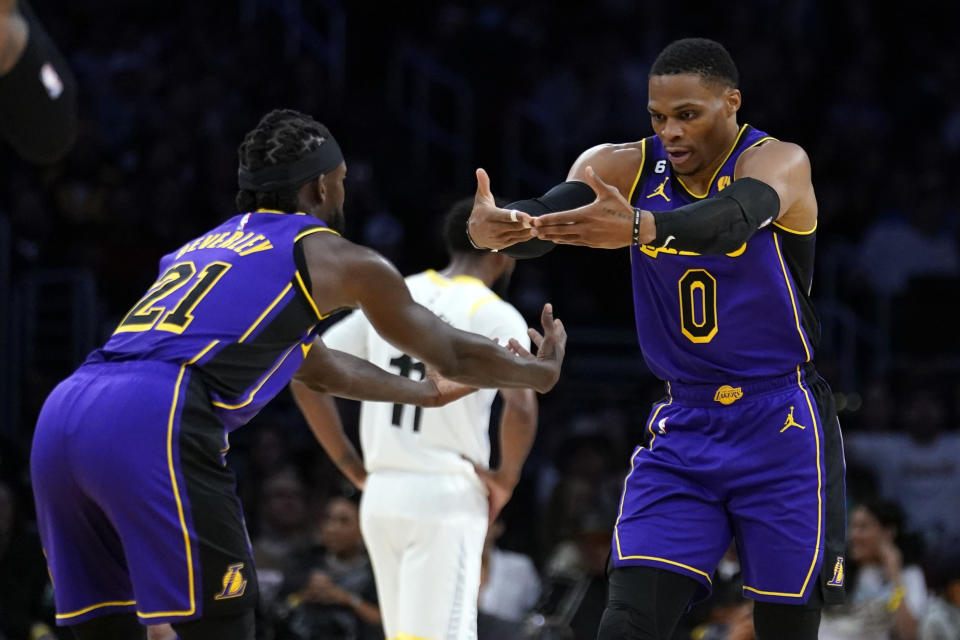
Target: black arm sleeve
[(564, 196), (38, 99), (720, 224)]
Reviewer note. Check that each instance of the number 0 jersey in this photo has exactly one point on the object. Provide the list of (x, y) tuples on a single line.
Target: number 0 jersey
[(405, 438), (234, 304), (710, 319)]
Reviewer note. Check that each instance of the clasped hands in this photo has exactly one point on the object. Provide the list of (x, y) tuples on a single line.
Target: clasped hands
[(605, 223)]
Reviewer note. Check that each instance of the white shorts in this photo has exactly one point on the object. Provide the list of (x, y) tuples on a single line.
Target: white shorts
[(424, 533)]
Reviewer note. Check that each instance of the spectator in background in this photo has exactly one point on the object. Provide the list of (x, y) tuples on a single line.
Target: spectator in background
[(511, 584), (491, 625), (26, 606), (725, 614), (588, 473), (887, 592), (282, 530), (942, 618), (575, 586), (328, 588), (919, 465), (905, 244)]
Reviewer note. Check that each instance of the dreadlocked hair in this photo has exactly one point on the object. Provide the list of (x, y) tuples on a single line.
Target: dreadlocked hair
[(705, 58), (281, 136)]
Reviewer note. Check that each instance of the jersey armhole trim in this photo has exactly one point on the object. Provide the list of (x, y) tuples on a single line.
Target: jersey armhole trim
[(794, 231), (302, 275), (643, 160), (312, 230)]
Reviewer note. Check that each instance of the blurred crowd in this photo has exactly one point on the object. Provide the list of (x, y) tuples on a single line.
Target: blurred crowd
[(167, 90)]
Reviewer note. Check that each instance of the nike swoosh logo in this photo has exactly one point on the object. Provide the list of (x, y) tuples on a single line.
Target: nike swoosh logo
[(667, 241)]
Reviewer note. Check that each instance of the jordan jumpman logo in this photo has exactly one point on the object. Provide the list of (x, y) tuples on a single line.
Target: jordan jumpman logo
[(790, 422)]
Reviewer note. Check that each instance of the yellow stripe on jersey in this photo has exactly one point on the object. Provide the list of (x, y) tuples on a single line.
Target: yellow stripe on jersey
[(307, 232), (714, 176), (643, 160), (794, 231), (482, 301)]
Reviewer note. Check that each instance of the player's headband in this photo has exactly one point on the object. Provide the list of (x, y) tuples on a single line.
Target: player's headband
[(277, 177)]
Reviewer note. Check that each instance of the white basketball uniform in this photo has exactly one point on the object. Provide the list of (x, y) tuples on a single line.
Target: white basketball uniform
[(424, 510)]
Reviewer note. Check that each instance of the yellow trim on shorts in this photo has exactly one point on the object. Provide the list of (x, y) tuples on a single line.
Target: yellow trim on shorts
[(72, 614), (793, 300), (623, 496), (407, 636), (816, 553)]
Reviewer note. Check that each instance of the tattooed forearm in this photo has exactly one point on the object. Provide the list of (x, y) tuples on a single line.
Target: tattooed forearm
[(617, 213)]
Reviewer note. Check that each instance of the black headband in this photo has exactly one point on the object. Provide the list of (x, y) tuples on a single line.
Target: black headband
[(277, 177)]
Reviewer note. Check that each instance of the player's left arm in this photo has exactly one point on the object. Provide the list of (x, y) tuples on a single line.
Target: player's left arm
[(785, 168), (340, 374), (320, 411)]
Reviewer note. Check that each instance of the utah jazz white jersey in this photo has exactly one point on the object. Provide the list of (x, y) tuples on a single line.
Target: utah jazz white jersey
[(406, 438)]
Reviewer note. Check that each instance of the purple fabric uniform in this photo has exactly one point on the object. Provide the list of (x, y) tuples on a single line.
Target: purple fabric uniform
[(136, 508), (746, 445)]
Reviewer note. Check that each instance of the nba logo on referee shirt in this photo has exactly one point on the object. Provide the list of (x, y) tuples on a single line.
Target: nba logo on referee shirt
[(234, 584), (837, 579), (51, 81)]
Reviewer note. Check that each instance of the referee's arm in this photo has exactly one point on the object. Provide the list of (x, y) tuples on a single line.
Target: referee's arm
[(38, 92)]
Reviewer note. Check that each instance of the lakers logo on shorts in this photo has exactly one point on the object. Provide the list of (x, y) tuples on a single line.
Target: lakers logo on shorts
[(234, 584), (727, 394), (837, 579)]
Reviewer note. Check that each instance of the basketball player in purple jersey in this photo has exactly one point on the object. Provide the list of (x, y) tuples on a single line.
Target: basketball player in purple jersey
[(720, 219), (136, 508)]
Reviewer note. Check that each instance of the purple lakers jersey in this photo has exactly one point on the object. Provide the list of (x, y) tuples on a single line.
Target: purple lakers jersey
[(710, 318), (234, 304)]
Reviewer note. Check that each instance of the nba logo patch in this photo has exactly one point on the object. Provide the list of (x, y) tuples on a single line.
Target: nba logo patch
[(51, 81), (837, 579), (234, 584)]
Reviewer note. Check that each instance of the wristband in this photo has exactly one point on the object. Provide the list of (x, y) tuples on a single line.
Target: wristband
[(636, 227)]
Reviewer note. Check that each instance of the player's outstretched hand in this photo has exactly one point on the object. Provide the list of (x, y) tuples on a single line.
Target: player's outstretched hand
[(490, 226), (551, 346), (444, 391), (605, 223)]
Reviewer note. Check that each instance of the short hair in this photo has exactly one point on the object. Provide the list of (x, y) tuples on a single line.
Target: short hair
[(455, 227), (701, 56), (281, 136)]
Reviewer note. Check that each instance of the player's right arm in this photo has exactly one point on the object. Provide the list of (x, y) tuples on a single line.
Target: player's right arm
[(495, 228), (345, 275)]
